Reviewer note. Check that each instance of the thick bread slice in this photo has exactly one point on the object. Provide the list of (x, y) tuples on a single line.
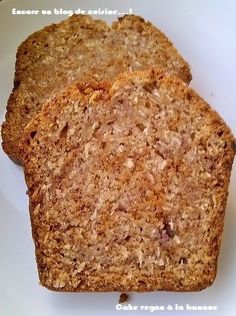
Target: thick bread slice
[(77, 47), (128, 185)]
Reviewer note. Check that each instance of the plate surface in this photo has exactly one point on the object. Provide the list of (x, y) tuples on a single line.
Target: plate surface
[(204, 33)]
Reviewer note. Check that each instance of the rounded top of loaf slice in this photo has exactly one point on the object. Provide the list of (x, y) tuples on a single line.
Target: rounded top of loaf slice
[(127, 184), (78, 48)]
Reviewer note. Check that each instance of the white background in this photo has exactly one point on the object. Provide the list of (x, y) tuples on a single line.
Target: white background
[(204, 31)]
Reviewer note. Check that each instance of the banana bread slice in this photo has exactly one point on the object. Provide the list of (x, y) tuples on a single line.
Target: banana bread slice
[(127, 185), (77, 47)]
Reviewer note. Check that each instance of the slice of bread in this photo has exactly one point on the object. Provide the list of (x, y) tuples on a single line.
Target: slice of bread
[(128, 185), (75, 48)]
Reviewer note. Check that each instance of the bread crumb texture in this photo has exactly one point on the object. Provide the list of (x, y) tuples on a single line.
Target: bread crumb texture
[(76, 48), (128, 184)]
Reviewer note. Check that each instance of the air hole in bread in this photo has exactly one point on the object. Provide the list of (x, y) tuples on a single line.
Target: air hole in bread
[(64, 131), (149, 86), (183, 260), (32, 134), (103, 145), (141, 126), (127, 238), (168, 231), (189, 96)]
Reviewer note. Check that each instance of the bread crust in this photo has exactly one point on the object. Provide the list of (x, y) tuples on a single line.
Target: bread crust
[(44, 63), (116, 144)]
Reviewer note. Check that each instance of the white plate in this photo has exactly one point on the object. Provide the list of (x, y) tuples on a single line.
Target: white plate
[(204, 32)]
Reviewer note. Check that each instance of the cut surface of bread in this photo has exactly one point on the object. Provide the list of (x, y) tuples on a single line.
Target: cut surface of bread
[(128, 183), (53, 57)]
